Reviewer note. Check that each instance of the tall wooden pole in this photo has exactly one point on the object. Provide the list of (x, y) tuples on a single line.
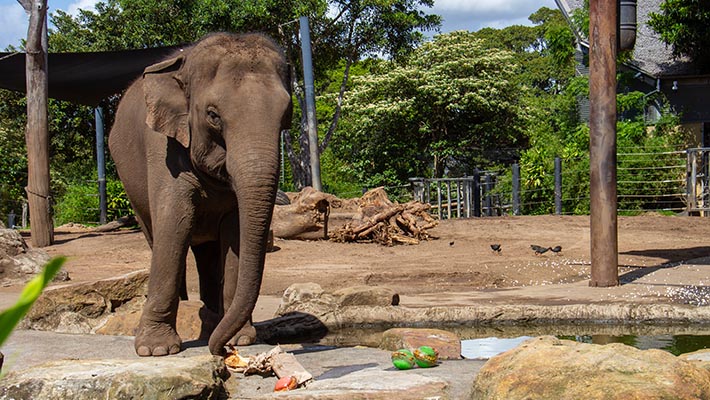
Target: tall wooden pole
[(602, 146), (36, 134)]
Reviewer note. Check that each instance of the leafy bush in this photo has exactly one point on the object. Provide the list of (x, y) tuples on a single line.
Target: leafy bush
[(80, 202)]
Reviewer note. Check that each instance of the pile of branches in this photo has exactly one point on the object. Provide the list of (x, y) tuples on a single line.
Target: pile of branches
[(379, 220)]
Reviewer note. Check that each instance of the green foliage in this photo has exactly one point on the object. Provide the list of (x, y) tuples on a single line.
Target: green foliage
[(10, 317), (451, 105), (80, 202), (683, 24), (117, 204), (580, 18)]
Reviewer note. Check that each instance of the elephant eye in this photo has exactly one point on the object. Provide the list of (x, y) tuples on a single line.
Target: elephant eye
[(213, 118)]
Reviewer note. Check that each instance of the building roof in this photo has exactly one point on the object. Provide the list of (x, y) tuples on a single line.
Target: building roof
[(83, 78), (650, 55)]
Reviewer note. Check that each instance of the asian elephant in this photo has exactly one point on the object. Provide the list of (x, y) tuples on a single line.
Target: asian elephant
[(196, 145)]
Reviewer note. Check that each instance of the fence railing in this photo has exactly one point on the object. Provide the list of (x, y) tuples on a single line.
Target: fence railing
[(698, 183), (674, 181)]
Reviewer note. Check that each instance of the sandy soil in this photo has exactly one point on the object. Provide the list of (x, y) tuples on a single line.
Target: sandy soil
[(459, 260)]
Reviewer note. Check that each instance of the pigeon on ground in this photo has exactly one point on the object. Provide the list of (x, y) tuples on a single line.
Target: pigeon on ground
[(539, 249), (451, 243), (496, 248), (556, 249)]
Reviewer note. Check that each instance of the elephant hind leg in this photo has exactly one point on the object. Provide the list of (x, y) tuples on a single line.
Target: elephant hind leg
[(209, 260)]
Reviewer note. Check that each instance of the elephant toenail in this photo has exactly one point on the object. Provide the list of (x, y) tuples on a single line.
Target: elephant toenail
[(143, 351), (160, 351)]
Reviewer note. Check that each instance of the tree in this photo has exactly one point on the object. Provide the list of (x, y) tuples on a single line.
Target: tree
[(683, 24), (342, 33), (450, 107), (351, 30)]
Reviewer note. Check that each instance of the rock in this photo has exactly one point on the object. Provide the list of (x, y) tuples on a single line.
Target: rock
[(373, 383), (198, 377), (306, 298), (549, 368), (193, 321), (80, 308), (366, 296), (446, 343), (310, 298), (700, 358), (18, 262)]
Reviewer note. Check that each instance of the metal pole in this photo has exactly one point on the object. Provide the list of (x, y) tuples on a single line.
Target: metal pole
[(516, 189), (690, 194), (558, 186), (438, 198), (310, 103), (458, 198), (602, 147), (469, 196), (448, 199), (489, 200), (101, 162), (476, 193)]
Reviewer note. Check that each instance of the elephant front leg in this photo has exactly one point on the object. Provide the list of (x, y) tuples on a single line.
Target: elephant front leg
[(230, 242), (156, 334)]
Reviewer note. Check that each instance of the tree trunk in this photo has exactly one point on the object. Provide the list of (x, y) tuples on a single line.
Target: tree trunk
[(36, 134)]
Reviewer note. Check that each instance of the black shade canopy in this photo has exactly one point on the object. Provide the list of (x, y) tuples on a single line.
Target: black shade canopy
[(84, 78)]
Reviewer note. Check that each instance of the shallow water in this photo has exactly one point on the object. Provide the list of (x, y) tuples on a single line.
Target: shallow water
[(485, 348)]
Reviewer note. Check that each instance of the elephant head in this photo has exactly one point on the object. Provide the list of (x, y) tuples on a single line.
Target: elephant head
[(226, 101)]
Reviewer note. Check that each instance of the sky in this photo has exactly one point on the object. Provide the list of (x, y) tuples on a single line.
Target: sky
[(457, 14)]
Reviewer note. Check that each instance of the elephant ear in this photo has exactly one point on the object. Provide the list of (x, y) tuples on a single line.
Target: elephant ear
[(166, 100)]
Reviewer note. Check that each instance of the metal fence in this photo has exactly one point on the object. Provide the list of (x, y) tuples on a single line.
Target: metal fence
[(671, 181)]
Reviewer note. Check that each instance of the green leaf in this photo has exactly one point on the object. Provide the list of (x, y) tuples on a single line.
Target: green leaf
[(12, 316)]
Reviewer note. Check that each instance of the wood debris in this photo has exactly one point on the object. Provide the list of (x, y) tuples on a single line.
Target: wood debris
[(274, 361), (379, 220)]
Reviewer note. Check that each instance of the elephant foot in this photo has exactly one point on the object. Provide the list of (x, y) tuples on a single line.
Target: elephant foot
[(210, 320), (157, 339), (245, 337)]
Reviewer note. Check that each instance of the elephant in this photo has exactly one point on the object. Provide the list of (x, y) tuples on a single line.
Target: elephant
[(196, 144)]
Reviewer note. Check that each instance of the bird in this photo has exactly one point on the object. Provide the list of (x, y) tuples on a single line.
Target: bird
[(496, 247), (556, 249), (451, 243), (539, 249)]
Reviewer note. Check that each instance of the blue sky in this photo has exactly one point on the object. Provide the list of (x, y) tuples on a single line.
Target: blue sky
[(458, 14)]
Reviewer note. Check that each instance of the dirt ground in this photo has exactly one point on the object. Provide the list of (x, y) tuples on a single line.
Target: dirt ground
[(460, 259)]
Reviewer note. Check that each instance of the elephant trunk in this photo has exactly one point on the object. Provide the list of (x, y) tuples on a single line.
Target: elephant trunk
[(254, 172)]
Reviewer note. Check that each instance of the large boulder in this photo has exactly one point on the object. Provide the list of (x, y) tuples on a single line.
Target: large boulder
[(446, 343), (198, 377), (307, 298), (550, 368), (20, 263), (80, 308), (312, 299)]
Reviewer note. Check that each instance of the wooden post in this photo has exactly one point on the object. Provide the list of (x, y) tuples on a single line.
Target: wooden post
[(602, 146), (36, 134)]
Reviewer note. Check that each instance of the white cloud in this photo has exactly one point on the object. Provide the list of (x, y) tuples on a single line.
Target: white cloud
[(484, 6), (13, 24), (473, 15), (14, 20), (88, 5)]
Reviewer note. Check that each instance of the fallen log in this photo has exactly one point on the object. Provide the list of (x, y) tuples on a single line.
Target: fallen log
[(129, 220), (379, 220)]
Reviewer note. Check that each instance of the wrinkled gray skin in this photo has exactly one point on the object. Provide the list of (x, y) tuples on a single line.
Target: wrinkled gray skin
[(196, 144)]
